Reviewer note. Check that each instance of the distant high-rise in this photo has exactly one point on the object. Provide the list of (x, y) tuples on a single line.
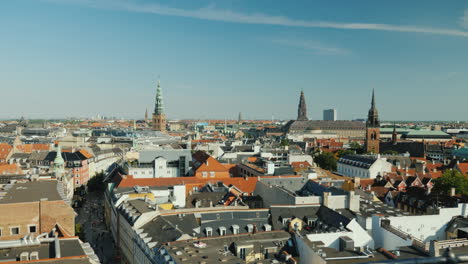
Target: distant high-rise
[(373, 128), (302, 109), (159, 118), (329, 115)]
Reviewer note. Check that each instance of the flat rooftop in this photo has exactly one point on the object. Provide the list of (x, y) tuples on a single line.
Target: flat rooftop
[(69, 248), (185, 251), (23, 192)]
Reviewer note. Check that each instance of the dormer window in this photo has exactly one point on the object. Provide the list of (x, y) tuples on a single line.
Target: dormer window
[(235, 229), (222, 231), (209, 231)]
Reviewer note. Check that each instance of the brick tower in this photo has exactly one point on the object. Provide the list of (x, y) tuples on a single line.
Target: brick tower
[(373, 129)]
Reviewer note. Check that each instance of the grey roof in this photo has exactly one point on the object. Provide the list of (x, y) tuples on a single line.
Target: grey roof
[(284, 171), (38, 155), (31, 192), (332, 217), (301, 212), (205, 198), (295, 125), (228, 219), (20, 156), (291, 184), (148, 156), (170, 228), (456, 223), (184, 251), (362, 161), (46, 250)]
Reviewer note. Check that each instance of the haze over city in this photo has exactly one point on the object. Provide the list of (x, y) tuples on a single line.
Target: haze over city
[(82, 58)]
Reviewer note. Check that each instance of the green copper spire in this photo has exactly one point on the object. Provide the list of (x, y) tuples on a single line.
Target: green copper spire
[(59, 159), (159, 106), (59, 162)]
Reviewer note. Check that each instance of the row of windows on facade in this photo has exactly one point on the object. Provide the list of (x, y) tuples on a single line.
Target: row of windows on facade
[(16, 230), (205, 174), (355, 172)]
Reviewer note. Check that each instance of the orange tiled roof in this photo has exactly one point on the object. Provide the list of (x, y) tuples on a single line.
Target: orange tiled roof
[(85, 153), (246, 185), (300, 164), (252, 159), (4, 150), (366, 182), (30, 148), (10, 169), (463, 168)]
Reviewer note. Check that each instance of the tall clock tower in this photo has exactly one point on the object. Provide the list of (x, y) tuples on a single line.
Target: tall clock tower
[(159, 118), (373, 128)]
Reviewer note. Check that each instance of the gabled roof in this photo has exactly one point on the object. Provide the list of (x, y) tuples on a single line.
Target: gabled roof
[(204, 162)]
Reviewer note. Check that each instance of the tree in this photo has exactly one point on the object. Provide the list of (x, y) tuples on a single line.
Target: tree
[(390, 152), (451, 179), (342, 152), (284, 142), (356, 147), (326, 160), (96, 184)]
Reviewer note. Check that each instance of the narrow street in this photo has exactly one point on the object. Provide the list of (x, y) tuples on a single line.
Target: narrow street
[(91, 218)]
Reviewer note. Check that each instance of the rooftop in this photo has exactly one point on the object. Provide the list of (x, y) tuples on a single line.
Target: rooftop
[(33, 191)]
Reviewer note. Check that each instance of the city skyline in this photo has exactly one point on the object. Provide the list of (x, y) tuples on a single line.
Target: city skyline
[(113, 51)]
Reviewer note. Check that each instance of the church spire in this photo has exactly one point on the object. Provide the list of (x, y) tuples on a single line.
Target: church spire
[(159, 118), (373, 115), (394, 134), (159, 105), (302, 108)]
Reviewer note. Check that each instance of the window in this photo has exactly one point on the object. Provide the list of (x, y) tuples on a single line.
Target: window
[(212, 174), (32, 229), (204, 174), (14, 230)]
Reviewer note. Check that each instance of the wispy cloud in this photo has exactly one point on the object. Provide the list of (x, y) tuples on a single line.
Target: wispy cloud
[(215, 14), (464, 19), (312, 46)]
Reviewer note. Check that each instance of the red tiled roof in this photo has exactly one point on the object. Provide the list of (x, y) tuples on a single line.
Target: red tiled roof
[(300, 164), (246, 185), (4, 150), (463, 167), (30, 148), (85, 153), (10, 169)]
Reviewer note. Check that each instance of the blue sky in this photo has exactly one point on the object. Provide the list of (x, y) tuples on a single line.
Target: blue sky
[(62, 58)]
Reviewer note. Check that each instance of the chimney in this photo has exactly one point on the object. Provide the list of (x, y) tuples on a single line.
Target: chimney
[(452, 191), (57, 248), (326, 196), (357, 182), (434, 248)]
